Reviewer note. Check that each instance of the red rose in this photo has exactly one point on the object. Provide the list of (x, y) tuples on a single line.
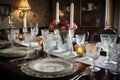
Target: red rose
[(63, 23)]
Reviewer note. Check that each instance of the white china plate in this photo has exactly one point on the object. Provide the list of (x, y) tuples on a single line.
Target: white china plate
[(15, 51), (4, 43), (50, 65), (49, 68)]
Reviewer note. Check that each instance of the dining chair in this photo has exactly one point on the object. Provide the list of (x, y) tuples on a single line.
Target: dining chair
[(83, 31), (96, 35)]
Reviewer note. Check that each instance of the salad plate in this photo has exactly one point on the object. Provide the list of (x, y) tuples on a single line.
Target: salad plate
[(15, 51)]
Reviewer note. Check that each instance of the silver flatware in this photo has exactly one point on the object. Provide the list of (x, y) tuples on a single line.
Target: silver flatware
[(84, 73)]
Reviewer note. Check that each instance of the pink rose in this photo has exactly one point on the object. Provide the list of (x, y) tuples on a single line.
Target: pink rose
[(55, 22), (75, 26), (51, 27)]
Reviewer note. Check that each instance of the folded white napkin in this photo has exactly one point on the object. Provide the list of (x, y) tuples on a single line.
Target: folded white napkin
[(98, 62)]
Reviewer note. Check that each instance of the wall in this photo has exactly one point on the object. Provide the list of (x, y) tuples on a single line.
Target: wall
[(40, 12)]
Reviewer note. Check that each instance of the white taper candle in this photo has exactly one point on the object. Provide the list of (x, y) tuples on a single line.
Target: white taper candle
[(25, 19), (57, 11), (107, 16), (71, 15)]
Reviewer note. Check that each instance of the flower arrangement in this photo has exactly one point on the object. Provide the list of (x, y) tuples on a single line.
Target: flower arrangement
[(62, 26)]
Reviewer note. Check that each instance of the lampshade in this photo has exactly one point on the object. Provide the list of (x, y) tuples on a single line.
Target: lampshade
[(24, 5)]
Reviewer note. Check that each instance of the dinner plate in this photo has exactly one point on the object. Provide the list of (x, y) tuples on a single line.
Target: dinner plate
[(15, 51), (4, 44), (49, 68), (50, 65)]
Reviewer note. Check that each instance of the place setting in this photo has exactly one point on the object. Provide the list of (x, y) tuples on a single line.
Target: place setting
[(15, 51), (49, 68), (4, 44)]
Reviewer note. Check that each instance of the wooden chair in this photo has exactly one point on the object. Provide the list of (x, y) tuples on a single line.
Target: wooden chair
[(83, 31), (96, 35)]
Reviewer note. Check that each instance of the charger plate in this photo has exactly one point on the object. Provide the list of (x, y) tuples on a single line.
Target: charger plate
[(15, 51), (49, 68)]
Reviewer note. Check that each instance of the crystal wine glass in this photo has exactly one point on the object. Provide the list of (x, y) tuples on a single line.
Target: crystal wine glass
[(108, 40), (10, 36), (115, 59), (93, 52), (80, 39), (35, 30)]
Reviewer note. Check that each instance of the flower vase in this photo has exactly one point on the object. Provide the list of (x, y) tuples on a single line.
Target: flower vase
[(61, 42)]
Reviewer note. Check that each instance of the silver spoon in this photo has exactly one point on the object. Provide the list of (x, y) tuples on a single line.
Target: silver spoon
[(84, 73)]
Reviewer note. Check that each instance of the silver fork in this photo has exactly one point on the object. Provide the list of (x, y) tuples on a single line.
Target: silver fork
[(85, 72), (75, 77)]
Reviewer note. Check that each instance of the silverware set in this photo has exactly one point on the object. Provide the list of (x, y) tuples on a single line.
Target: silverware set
[(84, 73)]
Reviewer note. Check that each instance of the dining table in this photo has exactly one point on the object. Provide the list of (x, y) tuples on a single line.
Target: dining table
[(11, 70)]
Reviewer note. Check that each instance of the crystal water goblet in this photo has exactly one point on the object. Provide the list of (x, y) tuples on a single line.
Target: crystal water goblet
[(35, 30), (45, 36), (93, 52), (115, 59), (108, 40), (80, 39), (10, 36)]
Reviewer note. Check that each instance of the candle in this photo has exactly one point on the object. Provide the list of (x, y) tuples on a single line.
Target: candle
[(80, 49), (57, 11), (25, 19), (20, 36), (71, 15), (107, 13), (0, 20)]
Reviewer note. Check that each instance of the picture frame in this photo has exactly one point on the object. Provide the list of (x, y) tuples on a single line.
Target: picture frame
[(90, 13), (5, 10)]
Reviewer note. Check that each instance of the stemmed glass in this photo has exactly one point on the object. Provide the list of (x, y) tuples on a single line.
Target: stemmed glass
[(80, 46), (10, 36), (80, 39), (34, 30), (93, 52), (115, 59), (108, 40), (40, 41), (16, 32), (25, 31), (48, 41), (44, 33)]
